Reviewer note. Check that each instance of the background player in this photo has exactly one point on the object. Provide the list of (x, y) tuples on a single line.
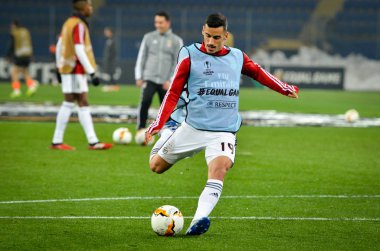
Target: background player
[(211, 72), (109, 61), (75, 58), (155, 64), (20, 52)]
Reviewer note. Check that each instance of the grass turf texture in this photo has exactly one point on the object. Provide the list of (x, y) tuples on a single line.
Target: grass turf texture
[(269, 161), (311, 101)]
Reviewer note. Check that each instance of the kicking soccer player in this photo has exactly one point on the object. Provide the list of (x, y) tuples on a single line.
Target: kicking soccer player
[(211, 73), (75, 58)]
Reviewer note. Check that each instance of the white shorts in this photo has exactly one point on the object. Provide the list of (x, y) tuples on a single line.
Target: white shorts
[(187, 141), (74, 83)]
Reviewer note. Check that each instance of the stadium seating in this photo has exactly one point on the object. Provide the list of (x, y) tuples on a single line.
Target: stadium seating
[(355, 28)]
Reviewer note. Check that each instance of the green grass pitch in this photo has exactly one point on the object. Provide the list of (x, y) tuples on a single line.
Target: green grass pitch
[(278, 165)]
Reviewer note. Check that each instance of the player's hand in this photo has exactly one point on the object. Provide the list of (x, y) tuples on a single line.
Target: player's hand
[(148, 135), (139, 83), (166, 85), (295, 93), (94, 79)]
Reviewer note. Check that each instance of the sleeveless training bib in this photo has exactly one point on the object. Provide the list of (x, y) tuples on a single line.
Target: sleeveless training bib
[(213, 86)]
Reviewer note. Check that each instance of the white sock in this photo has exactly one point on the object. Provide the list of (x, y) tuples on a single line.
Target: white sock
[(85, 120), (165, 135), (208, 198), (63, 117)]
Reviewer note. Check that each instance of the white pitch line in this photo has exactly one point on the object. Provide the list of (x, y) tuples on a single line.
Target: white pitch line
[(341, 196), (268, 218), (99, 199)]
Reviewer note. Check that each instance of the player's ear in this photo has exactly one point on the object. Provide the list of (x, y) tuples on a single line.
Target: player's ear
[(226, 34), (203, 30)]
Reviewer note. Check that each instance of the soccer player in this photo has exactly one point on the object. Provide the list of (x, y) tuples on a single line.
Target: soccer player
[(211, 73), (21, 52), (155, 64), (75, 58)]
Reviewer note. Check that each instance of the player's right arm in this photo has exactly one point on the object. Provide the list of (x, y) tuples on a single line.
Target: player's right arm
[(140, 63), (170, 101), (58, 51)]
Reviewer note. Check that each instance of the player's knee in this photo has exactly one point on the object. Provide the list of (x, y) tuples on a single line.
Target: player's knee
[(224, 167), (82, 103), (220, 167), (156, 166)]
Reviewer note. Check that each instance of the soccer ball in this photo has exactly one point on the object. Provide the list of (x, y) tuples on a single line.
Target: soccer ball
[(140, 138), (122, 136), (351, 116), (167, 220)]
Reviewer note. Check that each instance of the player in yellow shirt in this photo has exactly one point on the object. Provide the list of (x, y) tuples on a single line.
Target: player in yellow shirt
[(21, 52)]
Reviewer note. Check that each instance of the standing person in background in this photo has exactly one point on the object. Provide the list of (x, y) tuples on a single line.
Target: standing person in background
[(109, 61), (20, 52), (155, 64), (75, 58)]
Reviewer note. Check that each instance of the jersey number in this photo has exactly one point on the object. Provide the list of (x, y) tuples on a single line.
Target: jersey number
[(230, 146)]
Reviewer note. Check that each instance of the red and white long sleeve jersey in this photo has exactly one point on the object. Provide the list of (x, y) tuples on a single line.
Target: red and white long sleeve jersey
[(181, 74), (82, 64)]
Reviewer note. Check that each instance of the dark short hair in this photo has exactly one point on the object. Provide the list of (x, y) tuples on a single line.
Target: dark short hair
[(163, 14), (78, 4), (76, 1), (216, 20)]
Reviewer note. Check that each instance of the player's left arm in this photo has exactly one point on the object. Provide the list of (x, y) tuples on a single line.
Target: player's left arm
[(80, 51), (253, 70)]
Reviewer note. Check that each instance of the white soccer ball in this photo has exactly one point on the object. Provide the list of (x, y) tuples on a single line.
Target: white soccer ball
[(167, 220), (351, 116), (140, 138), (122, 136)]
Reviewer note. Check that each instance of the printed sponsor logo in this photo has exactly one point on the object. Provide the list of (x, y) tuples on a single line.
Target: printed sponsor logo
[(214, 194), (219, 104), (165, 150), (208, 70), (217, 92)]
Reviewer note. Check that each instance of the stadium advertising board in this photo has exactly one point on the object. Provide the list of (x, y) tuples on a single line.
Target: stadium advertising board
[(310, 77), (44, 72), (304, 77)]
